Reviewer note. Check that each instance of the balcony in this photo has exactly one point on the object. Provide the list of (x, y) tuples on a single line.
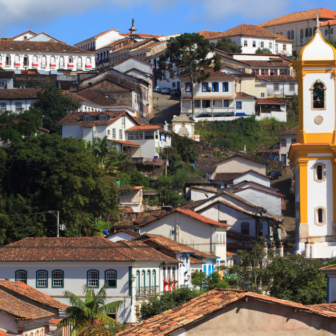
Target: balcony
[(52, 65), (88, 66), (17, 64), (148, 291), (71, 65), (35, 64)]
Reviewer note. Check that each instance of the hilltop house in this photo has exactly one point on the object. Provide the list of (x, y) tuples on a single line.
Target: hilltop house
[(286, 139)]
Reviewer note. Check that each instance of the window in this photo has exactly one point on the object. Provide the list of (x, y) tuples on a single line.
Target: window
[(111, 278), (291, 86), (217, 103), (284, 47), (318, 98), (93, 279), (326, 32), (143, 279), (245, 43), (320, 215), (123, 121), (225, 87), (149, 135), (319, 172), (307, 32), (21, 276), (174, 84), (288, 35), (254, 44), (25, 60), (283, 71), (120, 134), (239, 105), (310, 32), (52, 60), (57, 279), (293, 141), (188, 87), (61, 61), (331, 31), (130, 136), (220, 238), (42, 279), (226, 103), (154, 278), (148, 280), (283, 142), (18, 107), (262, 44), (270, 45), (8, 60), (264, 72), (79, 62), (262, 94), (205, 87), (17, 58), (44, 61), (108, 132), (197, 103), (88, 60), (245, 228), (301, 33), (206, 103), (113, 133), (255, 72), (274, 72), (276, 87), (215, 87), (135, 135), (70, 59), (292, 35), (140, 135), (3, 107)]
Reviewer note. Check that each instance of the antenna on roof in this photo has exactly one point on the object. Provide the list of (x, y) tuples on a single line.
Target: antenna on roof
[(317, 24)]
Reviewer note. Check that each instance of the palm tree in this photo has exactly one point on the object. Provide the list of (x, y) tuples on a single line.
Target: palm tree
[(90, 317)]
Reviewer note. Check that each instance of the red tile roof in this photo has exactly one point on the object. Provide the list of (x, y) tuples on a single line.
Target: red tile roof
[(144, 127), (281, 38), (107, 31), (31, 293), (19, 94), (2, 333), (311, 144), (328, 23), (27, 31), (328, 268), (243, 95), (270, 101), (75, 249), (230, 253), (247, 30), (277, 78), (126, 143), (206, 305), (172, 245), (290, 131), (269, 63), (323, 13), (21, 309)]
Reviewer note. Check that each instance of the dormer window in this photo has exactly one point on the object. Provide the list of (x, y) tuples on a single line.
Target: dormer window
[(104, 117), (88, 118)]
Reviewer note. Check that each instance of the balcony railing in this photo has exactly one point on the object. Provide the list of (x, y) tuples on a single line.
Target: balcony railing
[(148, 291)]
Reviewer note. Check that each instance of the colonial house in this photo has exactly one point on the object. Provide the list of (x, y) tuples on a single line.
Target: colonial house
[(17, 100), (17, 316), (29, 35), (190, 259), (124, 89), (272, 108), (300, 27), (34, 297), (131, 271), (45, 57), (280, 86), (6, 79), (190, 228), (251, 37), (286, 139), (142, 142), (239, 313)]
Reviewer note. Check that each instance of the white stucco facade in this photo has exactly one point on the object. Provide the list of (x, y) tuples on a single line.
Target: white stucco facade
[(253, 177)]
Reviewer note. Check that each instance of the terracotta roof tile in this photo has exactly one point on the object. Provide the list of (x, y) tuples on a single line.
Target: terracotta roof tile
[(143, 127), (328, 23), (328, 268), (243, 95), (7, 74), (269, 63), (33, 46), (270, 101), (277, 78), (21, 309), (247, 30), (323, 13), (32, 293), (290, 131), (95, 97), (125, 143), (281, 38), (19, 94), (76, 249), (214, 73), (208, 303), (2, 333), (225, 177)]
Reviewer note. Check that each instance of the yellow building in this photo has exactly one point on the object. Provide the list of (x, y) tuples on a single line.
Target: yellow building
[(314, 154)]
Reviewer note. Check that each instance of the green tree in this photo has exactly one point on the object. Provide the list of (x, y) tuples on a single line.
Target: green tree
[(50, 173), (14, 126), (227, 45), (209, 282), (167, 301), (331, 42), (263, 51), (139, 179), (54, 106), (86, 315), (189, 53)]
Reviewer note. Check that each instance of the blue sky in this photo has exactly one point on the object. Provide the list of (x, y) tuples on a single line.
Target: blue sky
[(75, 20)]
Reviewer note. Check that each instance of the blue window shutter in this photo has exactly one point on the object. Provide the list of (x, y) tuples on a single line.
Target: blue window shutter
[(212, 266), (209, 269), (204, 269)]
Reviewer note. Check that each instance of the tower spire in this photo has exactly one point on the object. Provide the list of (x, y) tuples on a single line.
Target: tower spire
[(132, 29)]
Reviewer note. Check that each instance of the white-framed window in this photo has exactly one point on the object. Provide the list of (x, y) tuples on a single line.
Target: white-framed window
[(130, 136), (220, 238), (123, 121), (108, 132), (3, 107), (320, 215), (245, 43), (8, 60), (42, 279), (140, 135), (114, 133), (111, 278), (79, 62), (88, 60), (25, 60), (70, 59), (44, 61), (120, 134), (52, 59), (93, 279), (135, 135), (21, 276), (262, 44), (18, 107), (291, 86), (270, 45), (61, 61), (254, 44), (57, 279), (276, 86), (262, 94)]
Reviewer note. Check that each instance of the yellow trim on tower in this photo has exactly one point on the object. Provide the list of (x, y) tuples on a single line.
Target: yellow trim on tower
[(303, 178), (333, 163), (318, 137)]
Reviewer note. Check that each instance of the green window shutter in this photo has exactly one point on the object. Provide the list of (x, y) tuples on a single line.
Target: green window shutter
[(130, 280)]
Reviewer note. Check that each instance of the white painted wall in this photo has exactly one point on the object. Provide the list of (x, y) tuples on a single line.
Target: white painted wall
[(120, 236), (8, 323), (240, 165), (10, 104), (284, 89), (197, 195), (253, 177)]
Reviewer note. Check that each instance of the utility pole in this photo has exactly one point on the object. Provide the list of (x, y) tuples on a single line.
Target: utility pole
[(57, 216)]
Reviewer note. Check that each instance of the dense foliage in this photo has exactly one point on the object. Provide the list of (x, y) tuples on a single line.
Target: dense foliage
[(263, 51), (244, 131), (90, 317), (332, 42), (291, 277), (46, 173), (14, 126), (54, 106), (226, 44), (208, 282), (166, 301)]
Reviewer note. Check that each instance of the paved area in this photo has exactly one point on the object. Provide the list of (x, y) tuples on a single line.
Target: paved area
[(283, 184), (165, 108)]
